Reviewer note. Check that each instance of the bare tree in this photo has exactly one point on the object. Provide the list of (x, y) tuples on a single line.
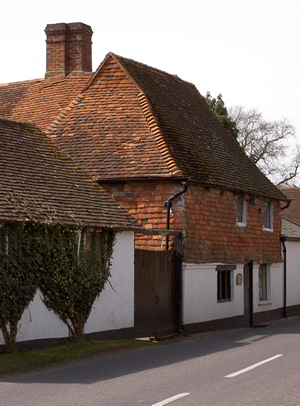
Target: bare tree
[(269, 144)]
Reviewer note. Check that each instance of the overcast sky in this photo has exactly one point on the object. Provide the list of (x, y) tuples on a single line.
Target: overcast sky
[(247, 50)]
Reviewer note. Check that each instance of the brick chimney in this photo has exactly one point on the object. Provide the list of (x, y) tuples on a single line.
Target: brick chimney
[(69, 49)]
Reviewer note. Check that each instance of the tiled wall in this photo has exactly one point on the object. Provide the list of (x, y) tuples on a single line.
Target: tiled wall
[(207, 218), (212, 234)]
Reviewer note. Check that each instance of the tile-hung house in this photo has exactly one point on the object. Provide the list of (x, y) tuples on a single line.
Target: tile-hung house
[(151, 141), (38, 184)]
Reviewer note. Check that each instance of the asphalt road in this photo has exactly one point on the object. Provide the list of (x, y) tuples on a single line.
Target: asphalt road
[(258, 366)]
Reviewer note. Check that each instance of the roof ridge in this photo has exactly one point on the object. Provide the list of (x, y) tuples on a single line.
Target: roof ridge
[(141, 64), (94, 75), (21, 81), (158, 136), (30, 125), (116, 58)]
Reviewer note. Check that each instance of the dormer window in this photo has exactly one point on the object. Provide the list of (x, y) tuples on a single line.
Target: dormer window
[(241, 210), (268, 216)]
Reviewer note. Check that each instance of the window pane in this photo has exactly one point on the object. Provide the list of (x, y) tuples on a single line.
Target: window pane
[(263, 291), (240, 208), (224, 286), (93, 244), (267, 215), (89, 240)]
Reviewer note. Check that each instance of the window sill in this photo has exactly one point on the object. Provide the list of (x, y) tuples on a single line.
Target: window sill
[(268, 230), (240, 224), (264, 302)]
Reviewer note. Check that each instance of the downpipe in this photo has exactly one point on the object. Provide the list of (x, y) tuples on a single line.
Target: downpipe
[(168, 205), (284, 276)]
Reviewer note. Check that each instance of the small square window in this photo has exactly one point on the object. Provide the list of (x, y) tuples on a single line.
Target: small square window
[(268, 216), (225, 282), (241, 210)]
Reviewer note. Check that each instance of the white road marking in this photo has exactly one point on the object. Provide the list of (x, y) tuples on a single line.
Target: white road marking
[(253, 366), (169, 400)]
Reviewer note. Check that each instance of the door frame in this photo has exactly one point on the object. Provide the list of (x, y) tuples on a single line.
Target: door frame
[(248, 294)]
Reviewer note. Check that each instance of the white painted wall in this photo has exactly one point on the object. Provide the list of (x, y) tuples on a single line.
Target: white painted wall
[(293, 273), (113, 310), (200, 302), (115, 307), (276, 289), (200, 294)]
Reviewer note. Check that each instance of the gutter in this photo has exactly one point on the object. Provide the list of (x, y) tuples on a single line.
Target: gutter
[(141, 179), (287, 205), (168, 205)]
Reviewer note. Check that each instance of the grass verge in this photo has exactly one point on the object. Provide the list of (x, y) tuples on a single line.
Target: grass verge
[(22, 361)]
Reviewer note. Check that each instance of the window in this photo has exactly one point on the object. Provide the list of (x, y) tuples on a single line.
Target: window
[(241, 210), (268, 216), (93, 243), (225, 282), (264, 282)]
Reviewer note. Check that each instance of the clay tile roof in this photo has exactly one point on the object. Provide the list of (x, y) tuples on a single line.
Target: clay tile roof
[(129, 120), (198, 142), (110, 133), (41, 100), (292, 213), (38, 183)]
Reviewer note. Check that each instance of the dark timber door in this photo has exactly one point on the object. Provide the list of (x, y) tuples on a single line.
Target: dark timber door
[(248, 295), (154, 307)]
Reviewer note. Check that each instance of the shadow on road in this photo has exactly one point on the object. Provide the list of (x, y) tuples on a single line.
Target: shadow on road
[(113, 365)]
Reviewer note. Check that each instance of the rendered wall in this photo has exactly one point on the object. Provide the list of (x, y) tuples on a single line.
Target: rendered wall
[(275, 300), (200, 302), (293, 273), (112, 311)]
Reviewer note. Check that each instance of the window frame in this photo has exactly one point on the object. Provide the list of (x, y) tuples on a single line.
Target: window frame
[(267, 216), (225, 283), (264, 283), (241, 210)]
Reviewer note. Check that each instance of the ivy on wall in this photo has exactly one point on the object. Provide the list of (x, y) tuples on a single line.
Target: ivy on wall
[(19, 278), (55, 259), (71, 279)]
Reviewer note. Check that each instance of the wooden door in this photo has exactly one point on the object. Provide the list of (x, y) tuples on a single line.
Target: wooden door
[(155, 293), (248, 294)]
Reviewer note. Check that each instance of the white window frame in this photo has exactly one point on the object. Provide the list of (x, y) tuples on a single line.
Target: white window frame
[(266, 296), (268, 210), (241, 200)]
